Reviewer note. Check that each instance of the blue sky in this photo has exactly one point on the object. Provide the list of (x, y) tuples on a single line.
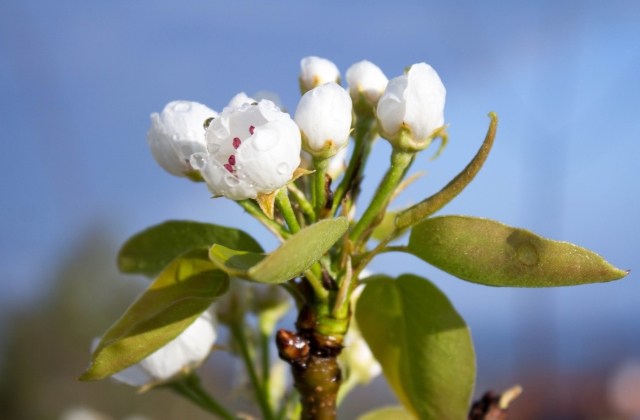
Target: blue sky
[(79, 79)]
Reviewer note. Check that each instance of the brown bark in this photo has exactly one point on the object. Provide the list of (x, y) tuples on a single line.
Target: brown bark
[(492, 406)]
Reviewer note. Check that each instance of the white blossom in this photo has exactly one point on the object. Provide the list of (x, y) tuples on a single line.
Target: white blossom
[(316, 71), (177, 133), (366, 78), (324, 118), (338, 164), (252, 149), (187, 350), (239, 100), (415, 100)]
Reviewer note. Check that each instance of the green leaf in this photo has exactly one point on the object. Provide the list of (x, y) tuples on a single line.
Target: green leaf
[(488, 252), (422, 343), (429, 206), (385, 227), (172, 302), (387, 413), (151, 250), (292, 258)]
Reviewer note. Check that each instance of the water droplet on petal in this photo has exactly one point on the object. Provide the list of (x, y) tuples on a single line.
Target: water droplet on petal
[(198, 161), (182, 106), (213, 148), (282, 168), (231, 181), (175, 137)]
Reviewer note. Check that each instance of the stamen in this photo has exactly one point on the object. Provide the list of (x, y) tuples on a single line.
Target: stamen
[(251, 129), (228, 167), (237, 142), (232, 160)]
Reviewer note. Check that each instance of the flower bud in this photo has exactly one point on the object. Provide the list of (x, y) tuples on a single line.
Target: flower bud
[(187, 351), (253, 150), (338, 164), (324, 118), (177, 133), (316, 71), (239, 100), (412, 108), (366, 80)]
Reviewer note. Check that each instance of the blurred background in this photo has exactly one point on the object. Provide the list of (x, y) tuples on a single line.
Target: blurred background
[(79, 79)]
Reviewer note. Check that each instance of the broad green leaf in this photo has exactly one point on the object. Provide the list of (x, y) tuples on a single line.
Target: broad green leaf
[(149, 251), (491, 253), (387, 413), (172, 302), (292, 258), (429, 206), (422, 343)]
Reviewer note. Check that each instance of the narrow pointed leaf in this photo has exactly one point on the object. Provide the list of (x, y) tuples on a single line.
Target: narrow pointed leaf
[(292, 258), (429, 206), (151, 250), (388, 413), (491, 253), (172, 302), (422, 343)]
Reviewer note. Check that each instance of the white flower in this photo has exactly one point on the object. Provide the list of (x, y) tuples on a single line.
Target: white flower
[(177, 133), (366, 78), (252, 149), (239, 100), (338, 164), (324, 118), (316, 71), (187, 350), (415, 100)]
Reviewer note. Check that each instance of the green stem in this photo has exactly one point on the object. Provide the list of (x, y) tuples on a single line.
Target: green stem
[(341, 306), (305, 205), (319, 182), (316, 283), (261, 393), (400, 161), (275, 227), (191, 389), (282, 200), (364, 135)]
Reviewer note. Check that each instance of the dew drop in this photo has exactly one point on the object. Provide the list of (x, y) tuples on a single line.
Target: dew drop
[(282, 168), (182, 106), (232, 181), (198, 161), (175, 137)]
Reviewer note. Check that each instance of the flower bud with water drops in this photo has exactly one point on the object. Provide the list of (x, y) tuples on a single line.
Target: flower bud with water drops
[(239, 100), (411, 110), (324, 118), (253, 149), (177, 133), (316, 71)]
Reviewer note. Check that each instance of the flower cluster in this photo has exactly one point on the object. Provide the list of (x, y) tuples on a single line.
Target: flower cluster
[(252, 148)]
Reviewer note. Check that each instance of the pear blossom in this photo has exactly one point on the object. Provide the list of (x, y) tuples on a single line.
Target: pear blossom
[(239, 100), (367, 79), (252, 150), (338, 164), (316, 71), (414, 100), (177, 133), (187, 350), (324, 118)]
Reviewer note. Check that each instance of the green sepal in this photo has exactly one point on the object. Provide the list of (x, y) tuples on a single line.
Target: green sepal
[(386, 226), (149, 251), (422, 344), (387, 413), (293, 257), (429, 206), (491, 253), (185, 289)]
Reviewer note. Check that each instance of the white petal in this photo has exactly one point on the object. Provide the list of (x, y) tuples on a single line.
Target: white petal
[(392, 105), (425, 101), (239, 100), (316, 71), (367, 78), (177, 133), (191, 347), (324, 115)]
